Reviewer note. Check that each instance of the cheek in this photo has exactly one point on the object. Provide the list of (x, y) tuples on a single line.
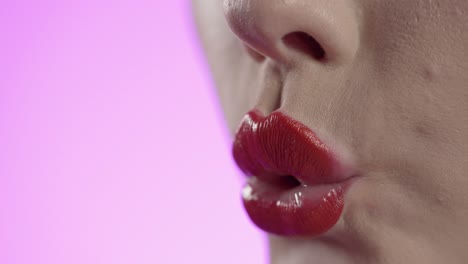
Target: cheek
[(418, 63), (410, 132)]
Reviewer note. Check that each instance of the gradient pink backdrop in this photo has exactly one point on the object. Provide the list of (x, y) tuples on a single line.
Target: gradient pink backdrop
[(112, 146)]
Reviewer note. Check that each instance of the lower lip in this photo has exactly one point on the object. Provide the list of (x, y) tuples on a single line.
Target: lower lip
[(296, 211)]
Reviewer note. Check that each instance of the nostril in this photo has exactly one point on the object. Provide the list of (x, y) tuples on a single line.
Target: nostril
[(304, 43)]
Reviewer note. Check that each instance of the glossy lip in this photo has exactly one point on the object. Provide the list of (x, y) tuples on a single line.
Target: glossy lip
[(296, 183)]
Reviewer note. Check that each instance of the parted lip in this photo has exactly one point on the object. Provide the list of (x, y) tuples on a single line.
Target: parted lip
[(296, 183)]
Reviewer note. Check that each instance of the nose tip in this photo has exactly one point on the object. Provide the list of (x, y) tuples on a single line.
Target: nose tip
[(292, 30)]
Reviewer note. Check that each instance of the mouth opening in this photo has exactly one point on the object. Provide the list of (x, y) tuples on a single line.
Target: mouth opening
[(289, 182)]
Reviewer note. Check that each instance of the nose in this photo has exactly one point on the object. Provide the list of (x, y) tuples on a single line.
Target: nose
[(291, 31)]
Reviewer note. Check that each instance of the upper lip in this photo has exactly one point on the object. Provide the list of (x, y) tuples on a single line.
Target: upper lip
[(274, 146)]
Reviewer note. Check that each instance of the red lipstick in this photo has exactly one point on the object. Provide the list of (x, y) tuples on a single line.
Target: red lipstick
[(296, 183)]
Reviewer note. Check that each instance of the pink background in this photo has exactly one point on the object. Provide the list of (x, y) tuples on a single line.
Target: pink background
[(112, 146)]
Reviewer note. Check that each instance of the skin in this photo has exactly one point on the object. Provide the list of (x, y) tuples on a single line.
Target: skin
[(391, 93)]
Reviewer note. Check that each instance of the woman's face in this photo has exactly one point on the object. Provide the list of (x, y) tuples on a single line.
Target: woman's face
[(386, 83)]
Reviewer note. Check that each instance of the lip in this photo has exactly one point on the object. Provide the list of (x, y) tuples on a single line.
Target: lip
[(296, 184)]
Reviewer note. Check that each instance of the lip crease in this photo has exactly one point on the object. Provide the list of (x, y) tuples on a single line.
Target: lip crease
[(296, 184)]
